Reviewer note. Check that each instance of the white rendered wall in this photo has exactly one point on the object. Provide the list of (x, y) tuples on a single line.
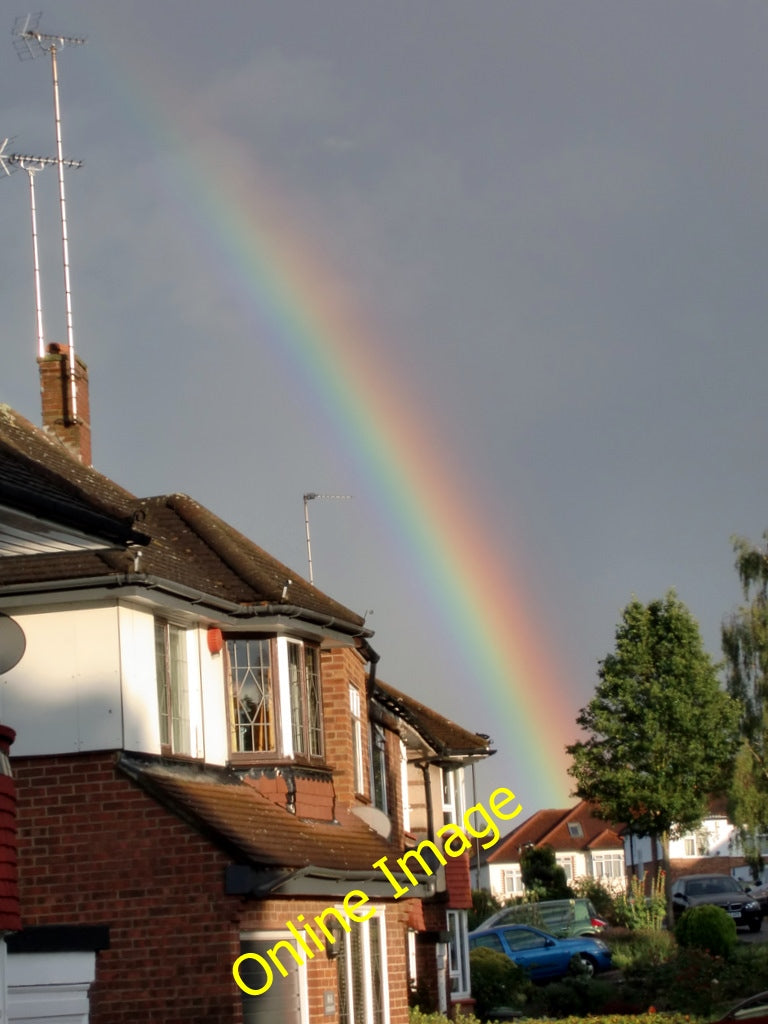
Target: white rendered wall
[(64, 694)]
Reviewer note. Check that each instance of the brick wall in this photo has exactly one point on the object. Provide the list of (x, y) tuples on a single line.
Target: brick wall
[(96, 849), (340, 667)]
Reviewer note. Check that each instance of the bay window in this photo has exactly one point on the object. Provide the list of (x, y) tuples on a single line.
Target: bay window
[(274, 697)]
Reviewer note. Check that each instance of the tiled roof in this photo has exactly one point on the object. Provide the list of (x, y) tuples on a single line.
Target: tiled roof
[(444, 736), (550, 828), (243, 822), (39, 477), (187, 544)]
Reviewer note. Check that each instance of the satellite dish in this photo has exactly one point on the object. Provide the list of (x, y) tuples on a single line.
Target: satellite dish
[(13, 643)]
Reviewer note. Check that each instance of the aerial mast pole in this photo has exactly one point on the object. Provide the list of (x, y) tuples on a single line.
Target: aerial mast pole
[(29, 43), (9, 162), (310, 496)]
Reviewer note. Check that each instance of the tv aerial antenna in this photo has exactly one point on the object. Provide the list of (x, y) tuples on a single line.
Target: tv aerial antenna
[(10, 162), (312, 496), (29, 42)]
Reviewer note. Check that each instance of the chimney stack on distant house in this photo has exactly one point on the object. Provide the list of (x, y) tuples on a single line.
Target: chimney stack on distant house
[(68, 420)]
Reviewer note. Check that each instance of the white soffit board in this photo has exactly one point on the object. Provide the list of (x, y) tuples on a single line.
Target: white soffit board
[(23, 534)]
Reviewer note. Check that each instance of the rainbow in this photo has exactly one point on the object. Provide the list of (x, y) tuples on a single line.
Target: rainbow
[(271, 264)]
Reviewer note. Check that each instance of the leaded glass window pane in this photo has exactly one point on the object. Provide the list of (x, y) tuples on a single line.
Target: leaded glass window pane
[(314, 704), (252, 697)]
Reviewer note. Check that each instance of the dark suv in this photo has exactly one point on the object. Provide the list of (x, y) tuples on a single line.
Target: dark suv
[(719, 891)]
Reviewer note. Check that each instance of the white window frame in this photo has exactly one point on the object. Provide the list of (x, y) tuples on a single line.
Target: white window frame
[(458, 954), (454, 796), (346, 964), (355, 711), (173, 688), (614, 860), (512, 881), (568, 866)]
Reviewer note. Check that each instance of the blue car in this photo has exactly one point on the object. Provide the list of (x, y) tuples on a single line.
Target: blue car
[(541, 955)]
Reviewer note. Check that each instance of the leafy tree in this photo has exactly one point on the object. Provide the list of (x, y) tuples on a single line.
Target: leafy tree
[(662, 734), (542, 874), (745, 645)]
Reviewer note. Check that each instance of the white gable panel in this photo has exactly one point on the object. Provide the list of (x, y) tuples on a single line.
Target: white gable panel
[(64, 694)]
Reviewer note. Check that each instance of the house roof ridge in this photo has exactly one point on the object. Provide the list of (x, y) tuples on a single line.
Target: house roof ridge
[(248, 560), (404, 705)]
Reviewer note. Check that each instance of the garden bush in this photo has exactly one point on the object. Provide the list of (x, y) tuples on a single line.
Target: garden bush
[(708, 928), (635, 952), (496, 981), (652, 1017)]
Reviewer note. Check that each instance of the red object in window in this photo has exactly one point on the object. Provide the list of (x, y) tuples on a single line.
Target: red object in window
[(215, 640)]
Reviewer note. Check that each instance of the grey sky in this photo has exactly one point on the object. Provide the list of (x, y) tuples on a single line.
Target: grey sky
[(551, 213)]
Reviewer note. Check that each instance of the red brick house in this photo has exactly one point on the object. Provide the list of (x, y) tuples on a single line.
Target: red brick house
[(207, 769), (435, 754)]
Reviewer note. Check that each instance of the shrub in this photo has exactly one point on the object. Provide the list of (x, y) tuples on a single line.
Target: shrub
[(640, 909), (708, 928), (595, 890), (496, 981), (417, 1017), (635, 952)]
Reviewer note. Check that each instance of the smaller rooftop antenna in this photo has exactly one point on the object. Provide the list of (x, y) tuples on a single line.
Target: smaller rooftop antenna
[(10, 162), (311, 496), (29, 42)]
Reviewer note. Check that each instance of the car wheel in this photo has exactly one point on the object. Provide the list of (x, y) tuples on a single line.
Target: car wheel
[(588, 965), (754, 926)]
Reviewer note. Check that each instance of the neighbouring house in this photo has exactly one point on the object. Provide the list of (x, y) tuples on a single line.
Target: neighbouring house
[(207, 770), (585, 847), (436, 753), (713, 848)]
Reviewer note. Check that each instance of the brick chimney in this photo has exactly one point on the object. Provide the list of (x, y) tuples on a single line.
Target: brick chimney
[(73, 427)]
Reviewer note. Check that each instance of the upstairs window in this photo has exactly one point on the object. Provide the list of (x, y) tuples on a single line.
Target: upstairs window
[(172, 688), (454, 803), (379, 767), (357, 738), (306, 709), (275, 703)]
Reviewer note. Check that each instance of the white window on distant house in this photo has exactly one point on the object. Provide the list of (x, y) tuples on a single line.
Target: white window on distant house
[(274, 698), (172, 688), (566, 863), (362, 973), (689, 846), (379, 766), (512, 881), (454, 801), (458, 953), (608, 865), (575, 831), (357, 739)]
